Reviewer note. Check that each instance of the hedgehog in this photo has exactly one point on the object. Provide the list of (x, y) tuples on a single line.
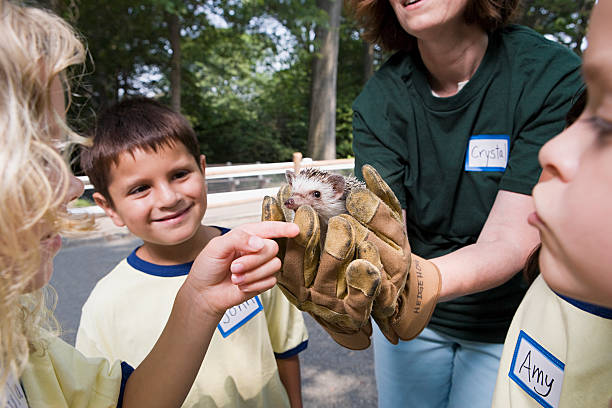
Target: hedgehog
[(325, 192)]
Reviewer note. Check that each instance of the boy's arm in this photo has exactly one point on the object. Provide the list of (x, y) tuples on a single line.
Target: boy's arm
[(289, 372), (231, 269)]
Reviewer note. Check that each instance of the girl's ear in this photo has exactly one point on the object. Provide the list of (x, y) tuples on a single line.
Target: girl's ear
[(108, 209)]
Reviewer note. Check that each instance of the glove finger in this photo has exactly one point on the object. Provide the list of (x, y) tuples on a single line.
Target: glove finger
[(368, 209), (271, 210), (395, 261), (378, 186), (359, 340), (363, 280), (302, 254), (386, 300), (386, 329), (283, 194), (368, 251), (339, 250)]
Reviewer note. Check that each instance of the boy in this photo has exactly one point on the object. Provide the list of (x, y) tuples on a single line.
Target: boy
[(557, 351), (149, 176)]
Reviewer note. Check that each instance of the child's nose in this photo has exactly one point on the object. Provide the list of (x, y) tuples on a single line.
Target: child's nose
[(166, 196), (559, 157), (75, 189)]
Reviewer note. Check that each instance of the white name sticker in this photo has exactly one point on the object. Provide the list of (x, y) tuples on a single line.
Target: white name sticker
[(537, 371), (15, 398), (487, 153), (236, 316)]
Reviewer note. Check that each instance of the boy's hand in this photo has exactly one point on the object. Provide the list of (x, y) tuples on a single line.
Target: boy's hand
[(236, 266)]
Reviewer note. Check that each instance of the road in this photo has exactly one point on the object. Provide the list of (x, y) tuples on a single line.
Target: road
[(332, 376)]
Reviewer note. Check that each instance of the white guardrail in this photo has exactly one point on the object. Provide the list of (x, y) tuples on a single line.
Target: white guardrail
[(235, 172)]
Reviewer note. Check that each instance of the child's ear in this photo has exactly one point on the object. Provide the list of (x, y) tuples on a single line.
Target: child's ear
[(108, 209), (203, 163)]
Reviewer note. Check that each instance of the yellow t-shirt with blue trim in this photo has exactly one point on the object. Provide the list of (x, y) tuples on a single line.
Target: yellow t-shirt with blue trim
[(128, 309), (557, 354)]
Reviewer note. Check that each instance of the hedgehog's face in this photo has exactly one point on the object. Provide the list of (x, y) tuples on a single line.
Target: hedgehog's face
[(322, 191), (304, 194)]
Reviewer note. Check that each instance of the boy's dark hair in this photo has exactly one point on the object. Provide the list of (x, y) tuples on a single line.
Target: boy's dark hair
[(531, 269), (381, 26), (132, 124)]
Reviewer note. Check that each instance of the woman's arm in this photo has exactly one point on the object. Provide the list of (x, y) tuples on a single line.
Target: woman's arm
[(501, 250)]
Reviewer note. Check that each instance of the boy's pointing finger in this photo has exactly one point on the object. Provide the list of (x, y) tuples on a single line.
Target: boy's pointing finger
[(272, 229)]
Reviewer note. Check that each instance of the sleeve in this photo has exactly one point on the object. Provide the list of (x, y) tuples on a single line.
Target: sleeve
[(547, 97), (60, 376), (370, 149), (126, 371), (286, 327)]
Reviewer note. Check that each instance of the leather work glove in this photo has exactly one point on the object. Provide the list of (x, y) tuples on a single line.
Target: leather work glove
[(336, 289), (410, 285), (404, 286)]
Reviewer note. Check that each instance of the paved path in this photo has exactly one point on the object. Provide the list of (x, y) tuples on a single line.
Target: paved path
[(332, 376)]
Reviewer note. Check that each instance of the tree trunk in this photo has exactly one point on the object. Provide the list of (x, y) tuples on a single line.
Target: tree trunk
[(174, 36), (322, 123)]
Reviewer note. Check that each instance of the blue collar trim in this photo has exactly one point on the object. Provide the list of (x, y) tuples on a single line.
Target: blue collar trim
[(588, 307), (167, 271), (149, 268)]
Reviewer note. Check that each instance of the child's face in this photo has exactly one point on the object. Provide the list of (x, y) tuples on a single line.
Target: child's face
[(51, 243), (574, 205), (160, 196)]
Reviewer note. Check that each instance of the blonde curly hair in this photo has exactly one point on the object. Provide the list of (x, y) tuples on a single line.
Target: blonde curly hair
[(36, 48)]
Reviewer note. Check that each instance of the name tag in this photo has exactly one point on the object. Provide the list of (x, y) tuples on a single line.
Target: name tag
[(236, 316), (15, 398), (487, 153), (537, 371)]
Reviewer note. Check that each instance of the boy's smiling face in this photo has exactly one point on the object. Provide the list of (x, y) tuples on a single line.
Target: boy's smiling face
[(160, 196), (574, 205)]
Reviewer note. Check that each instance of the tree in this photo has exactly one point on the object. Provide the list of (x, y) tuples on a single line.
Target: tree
[(249, 75), (174, 36), (563, 20), (322, 121)]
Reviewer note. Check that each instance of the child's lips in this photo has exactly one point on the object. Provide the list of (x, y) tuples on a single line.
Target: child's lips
[(535, 220), (174, 216)]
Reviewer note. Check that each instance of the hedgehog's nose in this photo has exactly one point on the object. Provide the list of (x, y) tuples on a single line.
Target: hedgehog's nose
[(290, 204)]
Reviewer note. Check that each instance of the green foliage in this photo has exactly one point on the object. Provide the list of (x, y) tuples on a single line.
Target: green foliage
[(245, 65), (81, 202), (564, 20)]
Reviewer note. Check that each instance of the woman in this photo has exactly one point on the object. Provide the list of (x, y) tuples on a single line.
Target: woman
[(453, 122)]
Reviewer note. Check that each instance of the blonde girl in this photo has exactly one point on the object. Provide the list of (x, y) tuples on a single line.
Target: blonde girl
[(37, 369), (35, 50)]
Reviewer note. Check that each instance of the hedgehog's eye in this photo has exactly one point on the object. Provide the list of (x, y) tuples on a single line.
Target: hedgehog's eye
[(316, 194)]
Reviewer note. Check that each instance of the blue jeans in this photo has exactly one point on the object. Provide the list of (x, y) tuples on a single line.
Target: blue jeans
[(435, 370)]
